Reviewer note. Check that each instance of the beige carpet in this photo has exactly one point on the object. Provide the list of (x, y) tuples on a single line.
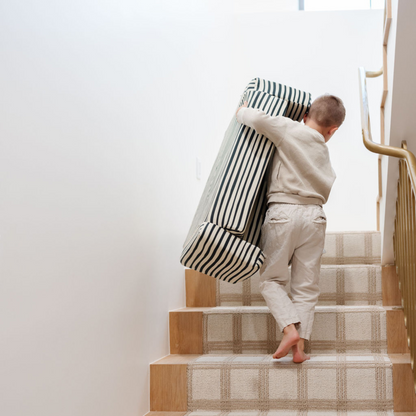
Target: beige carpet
[(289, 413), (349, 373), (352, 248), (252, 329), (339, 285), (258, 382)]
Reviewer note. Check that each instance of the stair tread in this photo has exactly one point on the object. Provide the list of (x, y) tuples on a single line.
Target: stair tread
[(165, 413), (325, 382), (278, 412), (178, 359), (350, 265), (265, 309), (292, 413), (353, 232), (349, 284), (316, 359)]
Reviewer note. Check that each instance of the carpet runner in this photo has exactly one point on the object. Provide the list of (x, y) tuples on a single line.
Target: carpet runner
[(349, 372)]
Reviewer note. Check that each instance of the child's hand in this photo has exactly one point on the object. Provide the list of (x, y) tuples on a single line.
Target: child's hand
[(244, 105)]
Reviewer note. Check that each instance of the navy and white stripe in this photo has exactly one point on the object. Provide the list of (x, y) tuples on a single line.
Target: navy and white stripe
[(225, 244), (217, 253), (244, 172)]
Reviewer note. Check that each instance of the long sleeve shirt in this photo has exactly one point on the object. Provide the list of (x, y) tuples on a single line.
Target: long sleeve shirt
[(301, 171)]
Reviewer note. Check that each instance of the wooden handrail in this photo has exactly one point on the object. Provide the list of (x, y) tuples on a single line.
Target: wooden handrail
[(374, 74), (381, 149)]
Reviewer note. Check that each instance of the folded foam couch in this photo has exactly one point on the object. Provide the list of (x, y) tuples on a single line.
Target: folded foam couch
[(223, 240)]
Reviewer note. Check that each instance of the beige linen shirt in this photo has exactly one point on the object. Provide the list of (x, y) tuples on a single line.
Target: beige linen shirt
[(301, 171)]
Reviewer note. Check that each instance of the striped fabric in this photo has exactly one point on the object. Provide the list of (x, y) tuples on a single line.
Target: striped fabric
[(217, 253), (225, 233)]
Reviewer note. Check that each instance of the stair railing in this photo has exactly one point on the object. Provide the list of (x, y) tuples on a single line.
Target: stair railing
[(404, 237)]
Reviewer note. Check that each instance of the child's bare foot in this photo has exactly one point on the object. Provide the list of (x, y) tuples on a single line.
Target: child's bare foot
[(299, 355), (290, 338)]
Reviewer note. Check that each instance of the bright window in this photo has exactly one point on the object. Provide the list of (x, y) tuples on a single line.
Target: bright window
[(313, 5)]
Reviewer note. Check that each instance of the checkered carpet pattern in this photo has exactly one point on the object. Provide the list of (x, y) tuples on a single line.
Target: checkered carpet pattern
[(349, 373), (258, 382), (337, 329), (339, 285), (289, 413)]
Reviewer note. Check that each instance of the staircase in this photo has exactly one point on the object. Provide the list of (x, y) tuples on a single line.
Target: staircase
[(222, 343)]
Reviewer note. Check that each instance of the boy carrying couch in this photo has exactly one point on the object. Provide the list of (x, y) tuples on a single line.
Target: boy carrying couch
[(299, 183)]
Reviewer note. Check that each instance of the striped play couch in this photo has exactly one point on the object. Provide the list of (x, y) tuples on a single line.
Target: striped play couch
[(225, 233)]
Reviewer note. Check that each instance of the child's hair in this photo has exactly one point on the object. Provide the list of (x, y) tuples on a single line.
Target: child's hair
[(327, 110)]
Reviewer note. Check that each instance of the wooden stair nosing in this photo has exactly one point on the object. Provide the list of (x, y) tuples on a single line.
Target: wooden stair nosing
[(168, 383)]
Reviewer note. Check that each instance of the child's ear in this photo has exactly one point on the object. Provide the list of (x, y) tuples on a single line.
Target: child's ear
[(332, 130)]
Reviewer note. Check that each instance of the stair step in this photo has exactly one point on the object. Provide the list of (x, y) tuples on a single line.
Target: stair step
[(352, 247), (339, 285), (336, 329), (285, 412), (170, 388), (258, 382), (289, 413), (167, 413), (248, 329)]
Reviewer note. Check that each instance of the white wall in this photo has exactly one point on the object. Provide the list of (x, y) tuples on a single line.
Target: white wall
[(321, 52), (101, 112), (104, 108), (389, 167)]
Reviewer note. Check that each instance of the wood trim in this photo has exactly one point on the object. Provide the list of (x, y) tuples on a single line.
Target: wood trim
[(168, 387), (404, 413), (380, 178), (165, 414), (168, 383), (177, 359), (382, 128), (378, 215), (185, 329), (387, 21), (396, 331), (200, 289), (385, 83), (390, 286), (404, 397), (400, 358), (380, 190)]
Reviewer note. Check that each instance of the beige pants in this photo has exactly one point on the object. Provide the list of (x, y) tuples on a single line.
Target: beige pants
[(296, 233)]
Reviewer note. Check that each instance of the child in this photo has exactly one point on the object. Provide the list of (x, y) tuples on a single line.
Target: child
[(299, 183)]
